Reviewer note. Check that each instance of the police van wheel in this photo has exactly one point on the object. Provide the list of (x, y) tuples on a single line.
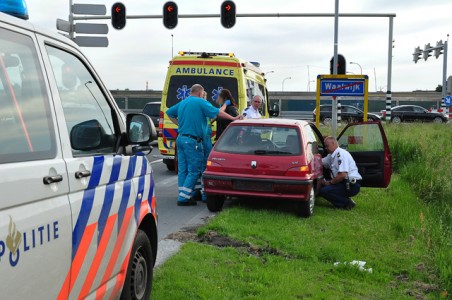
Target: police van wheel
[(305, 209), (138, 283), (215, 203)]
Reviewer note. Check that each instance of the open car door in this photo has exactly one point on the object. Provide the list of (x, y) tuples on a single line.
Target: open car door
[(369, 147)]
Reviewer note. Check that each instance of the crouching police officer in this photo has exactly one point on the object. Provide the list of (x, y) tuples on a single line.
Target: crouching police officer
[(345, 181), (191, 115)]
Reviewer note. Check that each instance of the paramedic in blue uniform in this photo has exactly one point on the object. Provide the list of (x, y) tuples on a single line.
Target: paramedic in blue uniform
[(345, 181), (252, 111), (191, 116)]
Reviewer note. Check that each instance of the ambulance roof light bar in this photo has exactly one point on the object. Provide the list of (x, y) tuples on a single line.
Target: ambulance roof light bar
[(205, 54), (16, 8)]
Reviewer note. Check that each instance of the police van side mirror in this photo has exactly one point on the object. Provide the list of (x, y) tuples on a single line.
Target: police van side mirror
[(140, 129), (86, 135)]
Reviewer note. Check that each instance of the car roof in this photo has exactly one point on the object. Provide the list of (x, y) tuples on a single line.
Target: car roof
[(29, 26), (407, 105), (271, 121)]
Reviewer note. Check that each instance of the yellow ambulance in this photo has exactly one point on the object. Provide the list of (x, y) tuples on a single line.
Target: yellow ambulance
[(214, 71)]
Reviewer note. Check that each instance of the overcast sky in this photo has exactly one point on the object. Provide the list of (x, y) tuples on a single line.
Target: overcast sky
[(300, 48)]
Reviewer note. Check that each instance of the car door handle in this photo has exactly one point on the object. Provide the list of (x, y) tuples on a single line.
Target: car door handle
[(81, 174), (52, 179)]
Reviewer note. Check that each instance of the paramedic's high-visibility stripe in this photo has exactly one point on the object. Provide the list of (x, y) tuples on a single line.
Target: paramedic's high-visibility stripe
[(206, 63), (77, 262), (98, 257), (114, 256)]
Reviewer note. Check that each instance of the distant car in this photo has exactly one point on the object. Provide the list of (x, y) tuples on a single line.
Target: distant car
[(274, 158), (349, 114), (414, 113), (152, 109)]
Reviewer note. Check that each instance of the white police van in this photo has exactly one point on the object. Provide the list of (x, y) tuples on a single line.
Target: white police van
[(77, 204)]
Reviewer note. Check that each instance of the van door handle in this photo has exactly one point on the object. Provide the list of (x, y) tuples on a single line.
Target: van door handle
[(81, 174), (52, 179)]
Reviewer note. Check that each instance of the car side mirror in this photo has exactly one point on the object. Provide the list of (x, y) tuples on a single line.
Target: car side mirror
[(86, 135), (140, 129)]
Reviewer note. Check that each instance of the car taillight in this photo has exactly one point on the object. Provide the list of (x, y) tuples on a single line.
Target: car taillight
[(214, 167), (161, 115), (298, 171)]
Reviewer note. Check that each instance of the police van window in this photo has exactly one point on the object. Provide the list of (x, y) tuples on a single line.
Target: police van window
[(27, 129), (179, 87), (82, 100)]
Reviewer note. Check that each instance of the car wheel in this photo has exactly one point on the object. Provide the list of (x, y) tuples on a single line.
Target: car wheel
[(327, 121), (138, 283), (215, 203), (396, 120), (170, 165), (437, 120), (305, 209)]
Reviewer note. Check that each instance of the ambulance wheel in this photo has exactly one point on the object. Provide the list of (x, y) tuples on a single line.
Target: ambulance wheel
[(305, 209), (138, 283), (215, 203), (169, 164)]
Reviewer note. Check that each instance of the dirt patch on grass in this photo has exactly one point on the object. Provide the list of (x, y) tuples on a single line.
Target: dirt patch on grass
[(185, 235), (415, 289), (214, 239)]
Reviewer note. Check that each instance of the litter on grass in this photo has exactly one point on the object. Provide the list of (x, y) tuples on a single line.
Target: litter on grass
[(356, 263)]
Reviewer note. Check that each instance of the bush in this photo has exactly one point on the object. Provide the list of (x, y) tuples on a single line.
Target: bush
[(422, 157)]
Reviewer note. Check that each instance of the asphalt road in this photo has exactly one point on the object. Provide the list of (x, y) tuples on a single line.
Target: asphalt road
[(172, 218)]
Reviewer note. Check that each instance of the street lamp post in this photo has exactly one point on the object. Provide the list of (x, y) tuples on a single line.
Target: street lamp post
[(172, 46), (282, 88), (354, 63), (269, 72)]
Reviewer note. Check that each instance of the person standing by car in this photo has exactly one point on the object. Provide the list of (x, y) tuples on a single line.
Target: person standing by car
[(252, 111), (225, 97), (191, 116), (345, 180)]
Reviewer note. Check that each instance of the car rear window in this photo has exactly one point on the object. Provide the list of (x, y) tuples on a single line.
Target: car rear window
[(152, 110), (260, 140)]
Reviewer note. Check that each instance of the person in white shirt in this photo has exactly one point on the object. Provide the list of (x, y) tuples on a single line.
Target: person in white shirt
[(346, 180), (252, 111)]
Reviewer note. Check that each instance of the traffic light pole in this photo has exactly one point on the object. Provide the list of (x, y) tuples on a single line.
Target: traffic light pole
[(444, 89), (334, 108), (388, 90)]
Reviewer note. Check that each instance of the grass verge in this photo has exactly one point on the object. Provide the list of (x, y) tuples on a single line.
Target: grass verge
[(255, 251)]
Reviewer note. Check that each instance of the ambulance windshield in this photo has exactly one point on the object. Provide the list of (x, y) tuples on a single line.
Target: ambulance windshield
[(179, 87)]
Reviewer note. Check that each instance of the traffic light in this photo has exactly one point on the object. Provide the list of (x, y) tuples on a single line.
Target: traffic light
[(427, 50), (228, 14), (170, 15), (439, 48), (417, 54), (341, 64), (118, 15)]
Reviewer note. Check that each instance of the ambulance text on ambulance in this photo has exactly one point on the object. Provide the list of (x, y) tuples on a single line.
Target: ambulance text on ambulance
[(206, 71)]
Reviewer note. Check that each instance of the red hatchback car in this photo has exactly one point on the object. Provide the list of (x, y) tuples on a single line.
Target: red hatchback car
[(276, 158)]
